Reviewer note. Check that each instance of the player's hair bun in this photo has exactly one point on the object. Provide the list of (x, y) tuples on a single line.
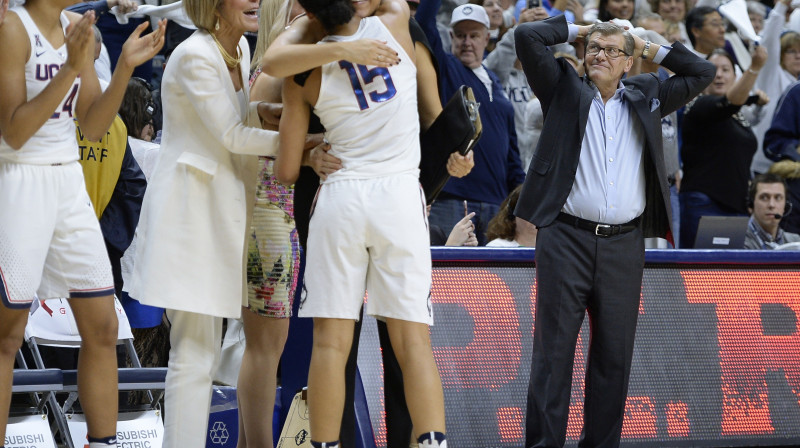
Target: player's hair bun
[(330, 13)]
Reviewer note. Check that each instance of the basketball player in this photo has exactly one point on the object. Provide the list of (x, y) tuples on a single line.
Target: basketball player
[(369, 225), (50, 240)]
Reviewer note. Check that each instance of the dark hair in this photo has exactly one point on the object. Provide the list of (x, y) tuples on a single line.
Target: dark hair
[(722, 52), (611, 29), (504, 224), (765, 178), (603, 14), (137, 106), (695, 19), (330, 13)]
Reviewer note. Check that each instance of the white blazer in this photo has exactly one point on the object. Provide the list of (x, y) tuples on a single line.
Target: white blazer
[(192, 230)]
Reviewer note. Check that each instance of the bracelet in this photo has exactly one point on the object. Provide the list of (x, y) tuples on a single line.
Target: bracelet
[(753, 72), (646, 51)]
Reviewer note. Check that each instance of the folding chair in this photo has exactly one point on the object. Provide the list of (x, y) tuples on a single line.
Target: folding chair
[(52, 323), (29, 424)]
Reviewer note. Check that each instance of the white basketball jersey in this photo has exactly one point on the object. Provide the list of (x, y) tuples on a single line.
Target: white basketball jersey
[(370, 113), (55, 141)]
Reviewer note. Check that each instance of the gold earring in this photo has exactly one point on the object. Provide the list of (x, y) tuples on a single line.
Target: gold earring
[(216, 26)]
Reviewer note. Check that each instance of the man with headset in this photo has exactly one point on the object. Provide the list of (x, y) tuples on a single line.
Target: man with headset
[(766, 200)]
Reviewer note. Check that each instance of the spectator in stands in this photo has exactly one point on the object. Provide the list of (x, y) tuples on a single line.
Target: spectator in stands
[(789, 170), (572, 9), (503, 62), (782, 137), (779, 72), (151, 335), (137, 110), (652, 21), (193, 230), (497, 28), (706, 29), (673, 12), (462, 234), (767, 205), (506, 230), (615, 9), (718, 146), (497, 165), (757, 12)]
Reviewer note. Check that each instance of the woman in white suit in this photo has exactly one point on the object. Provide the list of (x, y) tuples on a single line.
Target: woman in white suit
[(190, 258)]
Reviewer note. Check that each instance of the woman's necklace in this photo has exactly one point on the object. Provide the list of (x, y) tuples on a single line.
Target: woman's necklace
[(230, 61)]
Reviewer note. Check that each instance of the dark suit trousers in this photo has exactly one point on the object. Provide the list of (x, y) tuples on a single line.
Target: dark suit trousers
[(576, 272)]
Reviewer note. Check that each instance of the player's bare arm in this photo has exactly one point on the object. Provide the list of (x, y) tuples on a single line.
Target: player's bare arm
[(295, 51), (20, 116), (293, 128), (96, 109)]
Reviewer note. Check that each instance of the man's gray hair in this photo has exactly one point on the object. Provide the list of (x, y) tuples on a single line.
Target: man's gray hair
[(610, 29), (98, 37)]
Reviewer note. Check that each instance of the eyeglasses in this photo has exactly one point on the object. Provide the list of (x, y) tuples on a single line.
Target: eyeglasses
[(610, 52), (715, 24)]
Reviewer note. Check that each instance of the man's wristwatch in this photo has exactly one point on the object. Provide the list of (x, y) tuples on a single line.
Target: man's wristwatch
[(646, 51)]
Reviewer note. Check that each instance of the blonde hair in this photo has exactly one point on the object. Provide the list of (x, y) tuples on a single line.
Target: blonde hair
[(202, 12), (271, 23)]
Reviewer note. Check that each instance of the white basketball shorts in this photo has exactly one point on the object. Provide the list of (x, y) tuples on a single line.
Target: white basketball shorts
[(369, 234), (50, 240)]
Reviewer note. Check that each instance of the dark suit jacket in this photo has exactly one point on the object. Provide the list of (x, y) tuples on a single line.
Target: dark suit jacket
[(566, 99)]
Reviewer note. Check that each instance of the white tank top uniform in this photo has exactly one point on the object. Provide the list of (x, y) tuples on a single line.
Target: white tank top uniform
[(375, 129), (50, 240), (369, 226), (55, 141)]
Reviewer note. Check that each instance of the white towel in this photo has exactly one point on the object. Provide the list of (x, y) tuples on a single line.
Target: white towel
[(173, 11)]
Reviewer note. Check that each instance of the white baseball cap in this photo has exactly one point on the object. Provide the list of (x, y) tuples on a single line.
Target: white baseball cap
[(476, 13)]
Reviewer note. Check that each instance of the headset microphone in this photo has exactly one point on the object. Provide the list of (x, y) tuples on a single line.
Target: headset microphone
[(778, 216)]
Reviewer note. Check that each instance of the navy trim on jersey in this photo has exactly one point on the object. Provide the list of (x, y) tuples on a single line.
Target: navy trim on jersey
[(91, 293)]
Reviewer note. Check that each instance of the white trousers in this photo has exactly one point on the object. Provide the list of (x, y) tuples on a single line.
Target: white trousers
[(193, 357)]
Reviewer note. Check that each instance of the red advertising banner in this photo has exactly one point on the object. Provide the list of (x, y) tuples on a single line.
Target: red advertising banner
[(716, 360)]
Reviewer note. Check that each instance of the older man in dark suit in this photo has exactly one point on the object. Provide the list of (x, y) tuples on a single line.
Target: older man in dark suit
[(595, 188)]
